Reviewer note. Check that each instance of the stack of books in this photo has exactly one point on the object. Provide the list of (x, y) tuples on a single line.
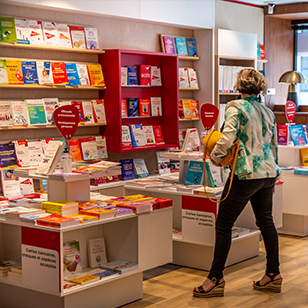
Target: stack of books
[(57, 221), (63, 208)]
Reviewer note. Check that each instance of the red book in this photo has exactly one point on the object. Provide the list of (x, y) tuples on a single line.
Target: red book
[(78, 105), (181, 110), (145, 75), (262, 52), (158, 134), (162, 203), (137, 207), (144, 107), (75, 149), (123, 108), (56, 221), (59, 73)]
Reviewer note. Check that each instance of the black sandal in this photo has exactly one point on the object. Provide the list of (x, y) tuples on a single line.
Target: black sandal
[(271, 286), (216, 291)]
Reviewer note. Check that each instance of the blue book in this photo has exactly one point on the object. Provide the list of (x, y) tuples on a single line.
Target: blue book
[(298, 134), (104, 274), (72, 74), (191, 45), (181, 47), (127, 169), (133, 107), (141, 169), (29, 72), (8, 155), (194, 173), (132, 77), (258, 52), (137, 135)]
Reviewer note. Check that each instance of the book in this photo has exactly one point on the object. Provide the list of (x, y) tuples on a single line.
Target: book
[(3, 72), (191, 141), (298, 134), (96, 252), (35, 32), (282, 134), (163, 164), (124, 76), (72, 74), (100, 213), (89, 148), (6, 114), (120, 266), (191, 46), (59, 73), (82, 218), (187, 111), (140, 167), (78, 105), (194, 105), (99, 114), (127, 169), (26, 186), (7, 30), (50, 105), (144, 107), (10, 183), (156, 107), (29, 72), (145, 75), (101, 147), (22, 153), (137, 135), (194, 174), (83, 74), (50, 33), (71, 257), (84, 279), (126, 138), (64, 36), (192, 78), (262, 52), (169, 44), (155, 76), (183, 77), (149, 135), (158, 135), (36, 111), (75, 150), (8, 157), (44, 72), (304, 156), (96, 75), (91, 38), (104, 274), (22, 31), (57, 221), (133, 106), (87, 112), (132, 77), (124, 113), (35, 152), (181, 47), (14, 72), (77, 36)]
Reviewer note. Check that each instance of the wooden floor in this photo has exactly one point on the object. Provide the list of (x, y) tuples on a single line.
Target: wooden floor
[(174, 289)]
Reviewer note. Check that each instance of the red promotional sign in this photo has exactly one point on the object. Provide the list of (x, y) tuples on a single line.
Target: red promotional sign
[(66, 119), (209, 114), (290, 110)]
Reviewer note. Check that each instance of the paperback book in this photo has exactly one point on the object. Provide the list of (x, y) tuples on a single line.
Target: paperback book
[(298, 134), (7, 30), (195, 173), (35, 32), (191, 46), (78, 105), (91, 38), (10, 184), (144, 107), (156, 107), (169, 44), (22, 153), (124, 113), (78, 38), (163, 164), (183, 78), (99, 111), (89, 148), (126, 138), (96, 75), (137, 135), (127, 169), (132, 77), (149, 135), (120, 266), (8, 157), (158, 135), (72, 74), (14, 72), (187, 111), (75, 150), (35, 152), (3, 72), (50, 33), (87, 112), (50, 105), (83, 74), (155, 76), (44, 72), (133, 106), (36, 111), (192, 77), (101, 147), (282, 134), (71, 257), (6, 114), (29, 72), (97, 252), (141, 169), (64, 37), (124, 76), (145, 75), (59, 73), (181, 46), (22, 32)]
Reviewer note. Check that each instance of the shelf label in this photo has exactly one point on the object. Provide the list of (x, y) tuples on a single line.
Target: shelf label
[(290, 110), (209, 115)]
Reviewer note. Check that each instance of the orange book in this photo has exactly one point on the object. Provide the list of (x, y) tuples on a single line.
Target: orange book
[(99, 213), (96, 75), (194, 105), (75, 149), (187, 109), (144, 107)]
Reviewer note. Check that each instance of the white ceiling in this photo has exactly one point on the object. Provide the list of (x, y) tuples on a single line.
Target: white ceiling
[(277, 2)]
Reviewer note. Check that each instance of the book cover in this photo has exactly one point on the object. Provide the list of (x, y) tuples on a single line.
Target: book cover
[(8, 157), (132, 77), (75, 150), (137, 135), (144, 107), (191, 46), (156, 107), (78, 105), (127, 169), (101, 147), (187, 109), (7, 30), (59, 73), (169, 44), (158, 135), (36, 111), (155, 76), (97, 252), (183, 77), (77, 36), (35, 152), (145, 75), (124, 113), (3, 72), (22, 153), (91, 38), (98, 106), (87, 112), (6, 114), (96, 75), (50, 105), (72, 74), (14, 72), (71, 257), (44, 72), (194, 105), (64, 37), (258, 52), (57, 221), (163, 164), (181, 47), (126, 138), (45, 143), (22, 32), (29, 72), (298, 134), (141, 169), (194, 173), (282, 134), (104, 274), (181, 109), (149, 135), (120, 266), (89, 148), (192, 140), (304, 156), (10, 183), (84, 279), (262, 52), (83, 74), (124, 76), (133, 106), (35, 32), (50, 33), (192, 78)]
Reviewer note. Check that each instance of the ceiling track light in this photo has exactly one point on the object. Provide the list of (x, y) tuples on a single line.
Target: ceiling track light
[(271, 6)]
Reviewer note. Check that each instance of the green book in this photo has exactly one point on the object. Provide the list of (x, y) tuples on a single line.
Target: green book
[(3, 72), (7, 30)]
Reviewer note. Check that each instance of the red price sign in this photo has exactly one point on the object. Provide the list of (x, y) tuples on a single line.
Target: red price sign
[(209, 114), (290, 110), (66, 119)]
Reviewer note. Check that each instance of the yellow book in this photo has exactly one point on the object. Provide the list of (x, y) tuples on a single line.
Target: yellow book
[(96, 75), (304, 156), (187, 109), (14, 72), (84, 279), (194, 105)]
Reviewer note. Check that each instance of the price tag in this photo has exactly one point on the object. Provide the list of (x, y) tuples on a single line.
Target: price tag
[(290, 110), (209, 114)]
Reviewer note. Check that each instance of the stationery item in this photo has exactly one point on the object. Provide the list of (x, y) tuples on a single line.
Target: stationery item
[(29, 72), (44, 72), (169, 44), (181, 46), (14, 72), (36, 111), (91, 38), (127, 169), (64, 37), (83, 74), (59, 73), (155, 76), (3, 72), (22, 31), (78, 39), (137, 135), (124, 76), (72, 74), (99, 111), (132, 106), (96, 75), (156, 107), (132, 77), (145, 75), (183, 77), (6, 114), (50, 33), (35, 32)]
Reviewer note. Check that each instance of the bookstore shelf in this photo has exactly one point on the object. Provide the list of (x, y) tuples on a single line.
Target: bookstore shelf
[(49, 126), (36, 87), (138, 86), (189, 89), (186, 120), (229, 93), (188, 58)]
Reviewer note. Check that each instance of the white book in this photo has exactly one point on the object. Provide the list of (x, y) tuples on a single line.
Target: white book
[(101, 147), (163, 164), (10, 183), (35, 32), (3, 72), (50, 33), (97, 252), (137, 135), (140, 167), (26, 186), (191, 141), (156, 108), (22, 31), (50, 106), (83, 74), (6, 114), (155, 76), (192, 78), (89, 149), (20, 113), (126, 138), (87, 112), (22, 153), (221, 78), (64, 36), (99, 110), (64, 103), (91, 38), (35, 152), (44, 72), (149, 134), (183, 78), (226, 81), (78, 39), (124, 76)]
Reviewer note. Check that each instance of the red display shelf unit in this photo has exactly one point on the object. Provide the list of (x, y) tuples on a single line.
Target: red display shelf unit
[(111, 62)]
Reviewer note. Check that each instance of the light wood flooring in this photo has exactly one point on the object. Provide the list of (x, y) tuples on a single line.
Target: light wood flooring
[(174, 289)]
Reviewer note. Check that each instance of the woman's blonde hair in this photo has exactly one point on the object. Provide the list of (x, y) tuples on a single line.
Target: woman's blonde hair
[(250, 81)]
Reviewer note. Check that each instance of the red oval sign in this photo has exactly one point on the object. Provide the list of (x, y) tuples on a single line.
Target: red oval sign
[(209, 114), (290, 110), (66, 119)]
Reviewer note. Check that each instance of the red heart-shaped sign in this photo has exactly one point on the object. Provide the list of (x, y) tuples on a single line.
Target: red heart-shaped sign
[(290, 110), (66, 119), (209, 114)]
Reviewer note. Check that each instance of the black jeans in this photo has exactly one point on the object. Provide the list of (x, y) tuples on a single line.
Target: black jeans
[(260, 193)]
